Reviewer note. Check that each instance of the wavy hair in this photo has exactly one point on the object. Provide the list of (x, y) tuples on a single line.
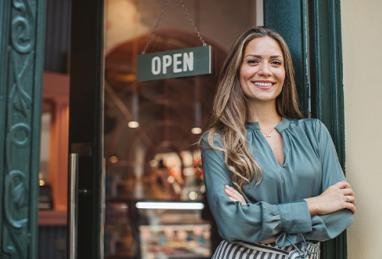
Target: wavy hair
[(229, 114)]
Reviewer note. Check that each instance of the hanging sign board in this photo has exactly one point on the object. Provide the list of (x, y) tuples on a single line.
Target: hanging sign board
[(174, 63)]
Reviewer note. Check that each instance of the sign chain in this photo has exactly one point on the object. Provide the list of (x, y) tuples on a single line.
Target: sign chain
[(190, 20), (152, 36)]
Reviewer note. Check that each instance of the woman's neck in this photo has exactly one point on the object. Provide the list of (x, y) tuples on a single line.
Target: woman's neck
[(265, 113)]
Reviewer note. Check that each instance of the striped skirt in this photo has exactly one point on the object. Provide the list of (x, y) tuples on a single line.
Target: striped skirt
[(239, 250)]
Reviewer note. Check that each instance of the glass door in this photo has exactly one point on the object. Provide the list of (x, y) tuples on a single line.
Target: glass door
[(136, 181), (155, 204)]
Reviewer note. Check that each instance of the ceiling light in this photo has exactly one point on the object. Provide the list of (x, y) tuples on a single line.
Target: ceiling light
[(170, 205), (133, 124), (196, 130)]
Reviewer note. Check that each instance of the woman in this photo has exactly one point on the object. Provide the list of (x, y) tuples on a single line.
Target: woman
[(274, 183)]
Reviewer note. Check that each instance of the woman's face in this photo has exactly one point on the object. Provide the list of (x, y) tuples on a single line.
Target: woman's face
[(262, 72)]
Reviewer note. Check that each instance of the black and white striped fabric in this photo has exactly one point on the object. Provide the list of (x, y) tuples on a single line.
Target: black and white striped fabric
[(238, 250)]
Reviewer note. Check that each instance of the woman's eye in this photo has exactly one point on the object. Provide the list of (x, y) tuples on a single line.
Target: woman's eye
[(252, 61), (277, 62)]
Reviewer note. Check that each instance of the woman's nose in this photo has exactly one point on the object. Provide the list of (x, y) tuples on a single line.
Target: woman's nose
[(264, 69)]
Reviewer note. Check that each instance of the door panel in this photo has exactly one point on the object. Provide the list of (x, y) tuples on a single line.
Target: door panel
[(85, 122), (151, 128)]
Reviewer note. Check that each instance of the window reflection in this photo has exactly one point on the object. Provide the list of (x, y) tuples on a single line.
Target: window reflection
[(169, 114)]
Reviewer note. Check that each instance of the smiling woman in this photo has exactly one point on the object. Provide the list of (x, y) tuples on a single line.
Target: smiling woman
[(274, 183), (262, 72)]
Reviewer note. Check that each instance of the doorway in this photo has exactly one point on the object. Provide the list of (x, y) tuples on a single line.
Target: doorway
[(133, 140)]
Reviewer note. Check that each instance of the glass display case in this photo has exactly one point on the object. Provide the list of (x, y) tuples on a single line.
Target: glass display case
[(157, 230), (173, 230)]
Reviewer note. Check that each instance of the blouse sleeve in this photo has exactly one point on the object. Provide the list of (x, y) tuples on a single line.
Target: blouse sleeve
[(331, 225), (325, 227), (252, 222)]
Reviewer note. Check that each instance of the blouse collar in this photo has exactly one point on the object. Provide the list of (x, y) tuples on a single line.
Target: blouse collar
[(254, 125)]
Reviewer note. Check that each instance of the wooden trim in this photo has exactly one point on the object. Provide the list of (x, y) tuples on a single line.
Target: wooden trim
[(52, 218), (56, 86), (56, 91)]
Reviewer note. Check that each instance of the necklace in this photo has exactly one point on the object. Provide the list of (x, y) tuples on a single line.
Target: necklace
[(269, 134)]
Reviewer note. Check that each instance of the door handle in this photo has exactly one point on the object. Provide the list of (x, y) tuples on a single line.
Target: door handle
[(73, 206)]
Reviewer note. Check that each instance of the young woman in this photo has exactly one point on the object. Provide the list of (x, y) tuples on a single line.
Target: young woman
[(274, 183)]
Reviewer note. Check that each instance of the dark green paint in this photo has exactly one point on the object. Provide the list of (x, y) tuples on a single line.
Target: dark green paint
[(327, 87), (21, 54), (313, 32), (288, 17), (148, 69)]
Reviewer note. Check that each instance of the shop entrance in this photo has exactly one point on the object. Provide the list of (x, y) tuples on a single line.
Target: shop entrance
[(136, 180)]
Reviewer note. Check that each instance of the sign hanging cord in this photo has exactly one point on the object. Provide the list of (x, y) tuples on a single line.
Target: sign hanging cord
[(162, 12)]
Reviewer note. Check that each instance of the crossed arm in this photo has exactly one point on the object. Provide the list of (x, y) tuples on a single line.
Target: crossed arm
[(320, 218), (337, 197)]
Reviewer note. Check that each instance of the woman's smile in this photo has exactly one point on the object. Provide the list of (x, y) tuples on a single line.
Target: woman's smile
[(263, 84)]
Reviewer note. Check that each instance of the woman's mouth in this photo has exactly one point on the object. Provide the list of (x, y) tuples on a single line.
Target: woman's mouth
[(263, 85)]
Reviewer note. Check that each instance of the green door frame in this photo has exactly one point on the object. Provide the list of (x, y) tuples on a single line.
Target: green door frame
[(22, 37), (313, 32)]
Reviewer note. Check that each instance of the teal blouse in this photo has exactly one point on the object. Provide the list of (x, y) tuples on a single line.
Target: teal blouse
[(277, 207)]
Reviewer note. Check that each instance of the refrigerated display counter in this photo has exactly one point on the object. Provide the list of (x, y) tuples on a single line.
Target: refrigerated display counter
[(157, 230)]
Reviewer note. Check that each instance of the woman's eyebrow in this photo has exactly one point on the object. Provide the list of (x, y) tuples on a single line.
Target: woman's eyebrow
[(260, 56)]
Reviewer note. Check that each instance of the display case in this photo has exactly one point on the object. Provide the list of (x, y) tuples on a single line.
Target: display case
[(157, 230)]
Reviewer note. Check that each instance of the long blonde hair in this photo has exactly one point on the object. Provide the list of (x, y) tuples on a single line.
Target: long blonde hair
[(230, 113)]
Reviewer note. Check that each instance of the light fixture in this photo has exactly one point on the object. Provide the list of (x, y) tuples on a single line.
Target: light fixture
[(42, 182), (113, 159), (133, 124), (170, 205), (196, 130)]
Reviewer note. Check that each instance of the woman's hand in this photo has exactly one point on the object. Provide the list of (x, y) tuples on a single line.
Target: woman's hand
[(337, 197), (234, 195)]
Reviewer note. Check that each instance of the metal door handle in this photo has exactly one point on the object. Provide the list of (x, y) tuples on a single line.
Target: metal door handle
[(73, 206)]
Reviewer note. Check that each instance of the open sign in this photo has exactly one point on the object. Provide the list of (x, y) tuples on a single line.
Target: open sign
[(174, 63)]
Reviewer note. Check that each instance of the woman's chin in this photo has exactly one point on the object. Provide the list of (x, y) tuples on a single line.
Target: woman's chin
[(262, 98)]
